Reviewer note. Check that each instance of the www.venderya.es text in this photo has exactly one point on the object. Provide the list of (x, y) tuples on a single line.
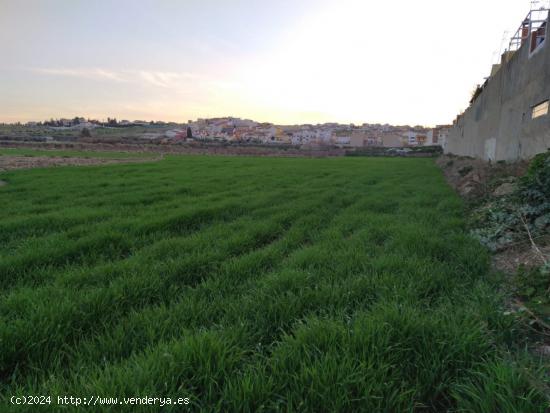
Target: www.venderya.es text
[(95, 400)]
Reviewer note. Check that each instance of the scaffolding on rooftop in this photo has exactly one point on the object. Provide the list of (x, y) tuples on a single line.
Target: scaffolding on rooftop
[(532, 29)]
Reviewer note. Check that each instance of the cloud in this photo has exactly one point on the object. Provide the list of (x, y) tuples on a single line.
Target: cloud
[(94, 74), (166, 79), (161, 79)]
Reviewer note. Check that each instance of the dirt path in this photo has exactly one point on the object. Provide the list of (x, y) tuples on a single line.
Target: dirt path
[(8, 163)]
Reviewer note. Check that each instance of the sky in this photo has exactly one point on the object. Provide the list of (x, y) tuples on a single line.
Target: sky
[(286, 61)]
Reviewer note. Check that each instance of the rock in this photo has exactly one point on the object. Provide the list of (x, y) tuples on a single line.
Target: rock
[(506, 188), (467, 190), (544, 350), (2, 183), (476, 178)]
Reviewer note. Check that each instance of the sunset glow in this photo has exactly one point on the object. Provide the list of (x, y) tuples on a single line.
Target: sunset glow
[(294, 62)]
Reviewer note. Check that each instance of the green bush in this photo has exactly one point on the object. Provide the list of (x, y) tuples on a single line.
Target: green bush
[(502, 221), (533, 283), (496, 224), (534, 193)]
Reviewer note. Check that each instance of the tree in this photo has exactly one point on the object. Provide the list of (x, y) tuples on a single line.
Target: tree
[(85, 133)]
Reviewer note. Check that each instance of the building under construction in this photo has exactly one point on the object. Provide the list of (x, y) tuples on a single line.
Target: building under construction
[(508, 117)]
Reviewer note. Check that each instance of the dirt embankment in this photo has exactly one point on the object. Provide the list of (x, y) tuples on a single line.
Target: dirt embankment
[(8, 163), (194, 148), (216, 148), (474, 178), (510, 216), (482, 185)]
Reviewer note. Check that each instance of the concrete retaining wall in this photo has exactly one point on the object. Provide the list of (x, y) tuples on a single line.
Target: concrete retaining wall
[(499, 125)]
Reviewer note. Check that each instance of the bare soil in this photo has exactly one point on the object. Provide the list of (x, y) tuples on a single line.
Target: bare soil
[(8, 163), (509, 260), (193, 148)]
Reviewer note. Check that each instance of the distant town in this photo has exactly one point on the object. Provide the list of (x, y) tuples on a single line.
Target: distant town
[(236, 130)]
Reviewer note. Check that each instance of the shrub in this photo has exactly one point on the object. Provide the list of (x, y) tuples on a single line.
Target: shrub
[(85, 133), (496, 224), (465, 170), (533, 283), (501, 222), (534, 192)]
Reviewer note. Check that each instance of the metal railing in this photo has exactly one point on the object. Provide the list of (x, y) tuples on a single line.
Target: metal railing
[(531, 26)]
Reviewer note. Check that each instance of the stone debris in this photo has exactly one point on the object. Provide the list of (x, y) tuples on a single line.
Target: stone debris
[(506, 188)]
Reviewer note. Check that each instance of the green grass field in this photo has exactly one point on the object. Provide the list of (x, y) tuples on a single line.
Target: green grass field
[(74, 153), (252, 284)]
